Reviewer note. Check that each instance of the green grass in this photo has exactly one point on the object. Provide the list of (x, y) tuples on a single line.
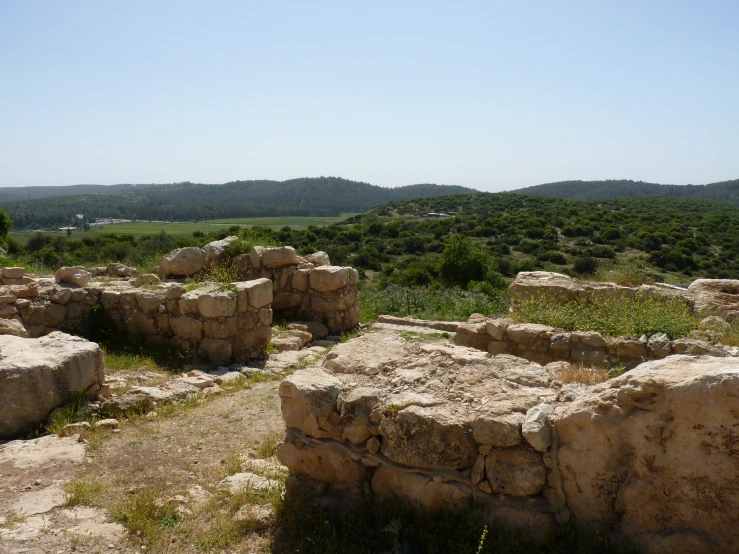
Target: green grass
[(393, 526), (70, 413), (81, 493), (636, 316), (424, 303), (140, 228)]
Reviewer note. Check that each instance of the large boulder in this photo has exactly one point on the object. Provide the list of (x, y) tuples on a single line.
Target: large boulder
[(73, 275), (716, 296), (654, 454), (38, 375), (215, 252), (553, 286), (183, 261)]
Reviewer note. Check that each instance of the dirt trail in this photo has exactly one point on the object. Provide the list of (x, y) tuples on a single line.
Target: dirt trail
[(159, 474)]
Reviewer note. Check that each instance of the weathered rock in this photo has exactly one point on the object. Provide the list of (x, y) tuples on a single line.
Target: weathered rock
[(537, 427), (217, 304), (215, 252), (659, 345), (329, 278), (256, 293), (74, 429), (323, 464), (273, 258), (652, 454), (12, 272), (73, 275), (420, 490), (496, 328), (434, 437), (716, 296), (247, 481), (319, 258), (147, 279), (183, 261), (517, 470), (473, 335), (355, 408), (12, 327), (535, 284), (498, 429), (120, 270), (37, 375), (308, 402)]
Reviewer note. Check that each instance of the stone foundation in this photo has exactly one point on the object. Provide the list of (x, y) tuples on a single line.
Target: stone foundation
[(647, 455), (218, 323)]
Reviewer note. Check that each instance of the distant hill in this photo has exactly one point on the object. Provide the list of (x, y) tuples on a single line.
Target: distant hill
[(322, 196), (726, 191)]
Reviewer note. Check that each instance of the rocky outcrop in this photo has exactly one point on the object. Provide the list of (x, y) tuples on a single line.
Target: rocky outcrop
[(183, 261), (716, 297), (653, 454), (37, 375), (73, 275)]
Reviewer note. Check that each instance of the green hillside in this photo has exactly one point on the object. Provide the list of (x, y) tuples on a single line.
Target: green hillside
[(726, 191), (323, 196)]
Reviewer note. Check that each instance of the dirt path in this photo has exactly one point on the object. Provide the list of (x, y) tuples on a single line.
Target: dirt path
[(152, 485)]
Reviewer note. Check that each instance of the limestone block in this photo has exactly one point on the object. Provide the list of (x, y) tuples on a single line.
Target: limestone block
[(149, 301), (300, 280), (527, 333), (61, 296), (429, 437), (322, 464), (420, 490), (329, 278), (496, 347), (496, 328), (7, 310), (54, 315), (110, 300), (659, 345), (498, 429), (120, 270), (242, 263), (175, 292), (516, 470), (215, 252), (187, 328), (217, 304), (281, 256), (12, 272), (143, 324), (7, 299), (37, 375), (287, 300), (255, 255), (188, 303), (80, 295), (319, 258), (265, 316), (355, 407), (587, 339), (336, 304), (21, 291), (533, 284), (628, 348), (308, 402), (75, 310), (163, 323), (183, 261), (215, 350), (660, 431), (12, 327), (251, 340), (220, 329), (537, 427), (258, 292), (73, 275), (473, 335)]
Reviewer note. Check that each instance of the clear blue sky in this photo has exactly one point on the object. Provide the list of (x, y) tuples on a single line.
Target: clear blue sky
[(494, 95)]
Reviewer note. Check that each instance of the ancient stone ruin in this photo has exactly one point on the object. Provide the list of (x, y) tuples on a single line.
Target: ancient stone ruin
[(651, 454), (218, 323)]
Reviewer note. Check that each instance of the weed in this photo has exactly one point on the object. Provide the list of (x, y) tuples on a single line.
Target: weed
[(232, 463), (12, 518), (349, 335), (640, 315), (577, 373), (145, 515), (70, 413), (268, 447), (81, 493), (392, 410), (272, 348), (415, 336)]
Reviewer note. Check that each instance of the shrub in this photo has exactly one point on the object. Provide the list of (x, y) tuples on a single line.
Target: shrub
[(585, 265), (463, 261)]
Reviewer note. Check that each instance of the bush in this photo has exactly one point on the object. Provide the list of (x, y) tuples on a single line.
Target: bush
[(585, 265), (463, 261)]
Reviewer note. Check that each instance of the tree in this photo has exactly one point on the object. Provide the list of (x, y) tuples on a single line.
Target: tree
[(6, 224), (463, 261)]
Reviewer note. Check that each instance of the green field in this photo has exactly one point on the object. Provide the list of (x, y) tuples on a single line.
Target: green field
[(140, 228)]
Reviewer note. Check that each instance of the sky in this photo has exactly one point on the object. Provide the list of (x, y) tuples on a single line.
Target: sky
[(491, 95)]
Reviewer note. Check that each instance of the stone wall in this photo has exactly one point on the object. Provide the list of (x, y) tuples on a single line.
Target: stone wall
[(215, 322), (544, 344), (649, 455)]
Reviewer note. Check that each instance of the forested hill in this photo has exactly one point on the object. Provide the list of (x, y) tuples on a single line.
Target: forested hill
[(322, 196), (726, 191)]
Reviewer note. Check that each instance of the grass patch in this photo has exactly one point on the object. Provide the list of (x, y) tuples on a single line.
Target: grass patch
[(640, 315), (425, 303), (268, 447), (81, 493), (147, 516), (577, 373), (415, 336), (232, 463), (70, 413), (11, 519), (346, 337), (394, 526)]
